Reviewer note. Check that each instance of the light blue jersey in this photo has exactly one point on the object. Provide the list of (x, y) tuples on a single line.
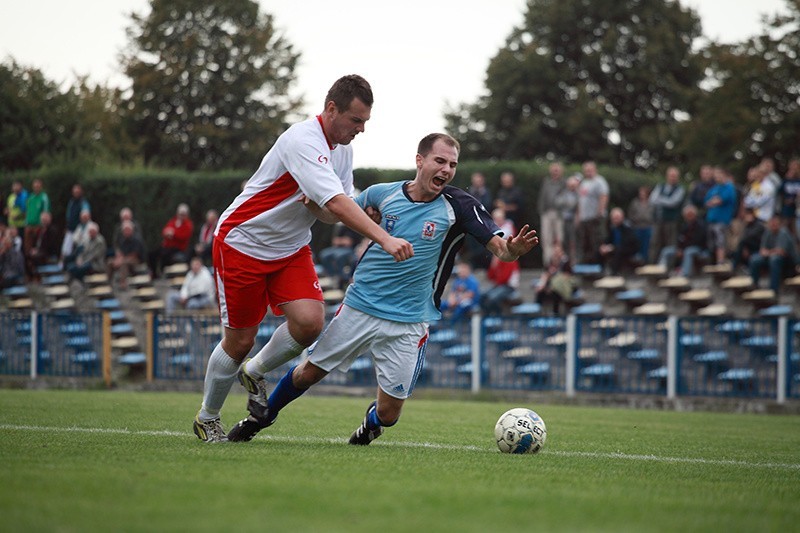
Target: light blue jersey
[(411, 290)]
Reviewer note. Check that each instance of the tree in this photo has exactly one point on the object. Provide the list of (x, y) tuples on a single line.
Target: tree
[(601, 79), (211, 82)]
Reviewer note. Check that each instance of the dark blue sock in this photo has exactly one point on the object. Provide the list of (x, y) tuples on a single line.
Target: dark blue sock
[(284, 393)]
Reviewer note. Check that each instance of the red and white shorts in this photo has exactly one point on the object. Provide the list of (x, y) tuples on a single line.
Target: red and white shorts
[(247, 286)]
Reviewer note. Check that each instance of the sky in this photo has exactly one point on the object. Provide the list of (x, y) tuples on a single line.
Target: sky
[(419, 55)]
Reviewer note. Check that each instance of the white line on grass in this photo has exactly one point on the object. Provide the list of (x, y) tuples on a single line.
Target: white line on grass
[(428, 445)]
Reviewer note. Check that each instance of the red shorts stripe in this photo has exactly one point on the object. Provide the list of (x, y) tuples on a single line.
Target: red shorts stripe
[(247, 286)]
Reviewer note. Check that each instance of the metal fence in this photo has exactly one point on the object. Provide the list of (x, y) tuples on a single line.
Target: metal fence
[(668, 356)]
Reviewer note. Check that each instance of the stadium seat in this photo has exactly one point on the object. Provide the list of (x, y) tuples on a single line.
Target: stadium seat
[(548, 324), (48, 269), (734, 329), (538, 372), (587, 309), (443, 336), (519, 352), (123, 328), (74, 328), (505, 339), (601, 375), (459, 351), (132, 358), (646, 355), (87, 358), (742, 379), (108, 304), (651, 309), (760, 343), (526, 309), (715, 357), (777, 310)]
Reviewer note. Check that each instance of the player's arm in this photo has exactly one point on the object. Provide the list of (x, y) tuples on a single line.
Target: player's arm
[(349, 212), (322, 214), (514, 246)]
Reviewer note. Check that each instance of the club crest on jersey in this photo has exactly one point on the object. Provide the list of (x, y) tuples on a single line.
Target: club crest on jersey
[(428, 230), (391, 220)]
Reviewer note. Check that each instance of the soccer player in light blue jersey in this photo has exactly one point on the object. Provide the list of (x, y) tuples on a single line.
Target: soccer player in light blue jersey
[(387, 308)]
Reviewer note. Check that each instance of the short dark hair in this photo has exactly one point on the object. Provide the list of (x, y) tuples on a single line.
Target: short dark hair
[(348, 87), (427, 142)]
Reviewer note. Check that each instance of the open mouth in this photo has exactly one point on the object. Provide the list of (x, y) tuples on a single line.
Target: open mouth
[(439, 181)]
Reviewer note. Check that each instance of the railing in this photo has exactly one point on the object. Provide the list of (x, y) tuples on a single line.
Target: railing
[(666, 356)]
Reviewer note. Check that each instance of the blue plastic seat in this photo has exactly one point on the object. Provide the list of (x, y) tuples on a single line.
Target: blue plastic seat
[(132, 358), (457, 351)]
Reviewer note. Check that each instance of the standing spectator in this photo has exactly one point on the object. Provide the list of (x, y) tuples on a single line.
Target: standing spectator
[(619, 250), (692, 243), (16, 204), (197, 291), (640, 216), (202, 248), (567, 203), (76, 204), (551, 228), (666, 199), (761, 195), (92, 256), (464, 294), (478, 189), (699, 188), (473, 251), (777, 251), (591, 216), (46, 245), (128, 253), (721, 205), (177, 233), (790, 197), (38, 203), (510, 198), (12, 264), (750, 240), (767, 165)]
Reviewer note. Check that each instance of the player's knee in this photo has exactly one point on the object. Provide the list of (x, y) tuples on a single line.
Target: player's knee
[(307, 330), (238, 347)]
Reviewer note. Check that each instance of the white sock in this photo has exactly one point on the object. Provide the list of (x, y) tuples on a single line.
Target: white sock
[(220, 374), (281, 348)]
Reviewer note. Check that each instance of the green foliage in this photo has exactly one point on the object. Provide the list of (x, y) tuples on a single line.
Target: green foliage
[(211, 83), (605, 80), (90, 461)]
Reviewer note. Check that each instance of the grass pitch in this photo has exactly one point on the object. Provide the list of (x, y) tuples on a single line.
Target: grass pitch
[(124, 461)]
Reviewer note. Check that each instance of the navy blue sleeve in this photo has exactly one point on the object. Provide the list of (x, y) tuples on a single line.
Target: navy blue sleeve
[(471, 216)]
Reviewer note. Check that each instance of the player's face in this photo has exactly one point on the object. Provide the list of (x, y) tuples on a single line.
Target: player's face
[(347, 124), (436, 169)]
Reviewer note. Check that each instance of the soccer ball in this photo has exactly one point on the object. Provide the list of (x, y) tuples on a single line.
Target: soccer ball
[(520, 430)]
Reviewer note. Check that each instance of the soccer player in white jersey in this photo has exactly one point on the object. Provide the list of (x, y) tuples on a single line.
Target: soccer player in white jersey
[(388, 307), (261, 253)]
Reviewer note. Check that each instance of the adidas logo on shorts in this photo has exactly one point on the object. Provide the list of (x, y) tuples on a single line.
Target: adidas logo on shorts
[(399, 388)]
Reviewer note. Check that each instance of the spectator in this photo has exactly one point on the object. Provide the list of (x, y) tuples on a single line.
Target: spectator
[(721, 206), (473, 251), (128, 254), (699, 188), (46, 246), (750, 240), (339, 259), (767, 166), (621, 245), (692, 243), (551, 228), (503, 222), (206, 238), (761, 195), (38, 203), (666, 199), (92, 255), (567, 203), (80, 236), (505, 282), (464, 294), (510, 198), (640, 216), (16, 204), (125, 215), (12, 263), (591, 216), (75, 206), (556, 284), (177, 233), (790, 196), (197, 291), (777, 252)]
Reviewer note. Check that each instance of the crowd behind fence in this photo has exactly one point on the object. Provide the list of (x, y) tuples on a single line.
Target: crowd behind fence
[(661, 356)]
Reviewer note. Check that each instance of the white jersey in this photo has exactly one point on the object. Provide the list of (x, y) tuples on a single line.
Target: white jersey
[(267, 221)]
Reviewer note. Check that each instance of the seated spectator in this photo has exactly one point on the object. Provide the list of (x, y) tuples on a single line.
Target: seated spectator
[(206, 238), (45, 247), (339, 258), (177, 233), (618, 251), (777, 251), (92, 256), (12, 263), (128, 253), (692, 243), (70, 248), (556, 284), (464, 294), (640, 216), (125, 215), (505, 282), (197, 292), (750, 241)]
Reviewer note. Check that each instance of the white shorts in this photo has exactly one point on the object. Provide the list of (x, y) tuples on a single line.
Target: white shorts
[(398, 348)]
